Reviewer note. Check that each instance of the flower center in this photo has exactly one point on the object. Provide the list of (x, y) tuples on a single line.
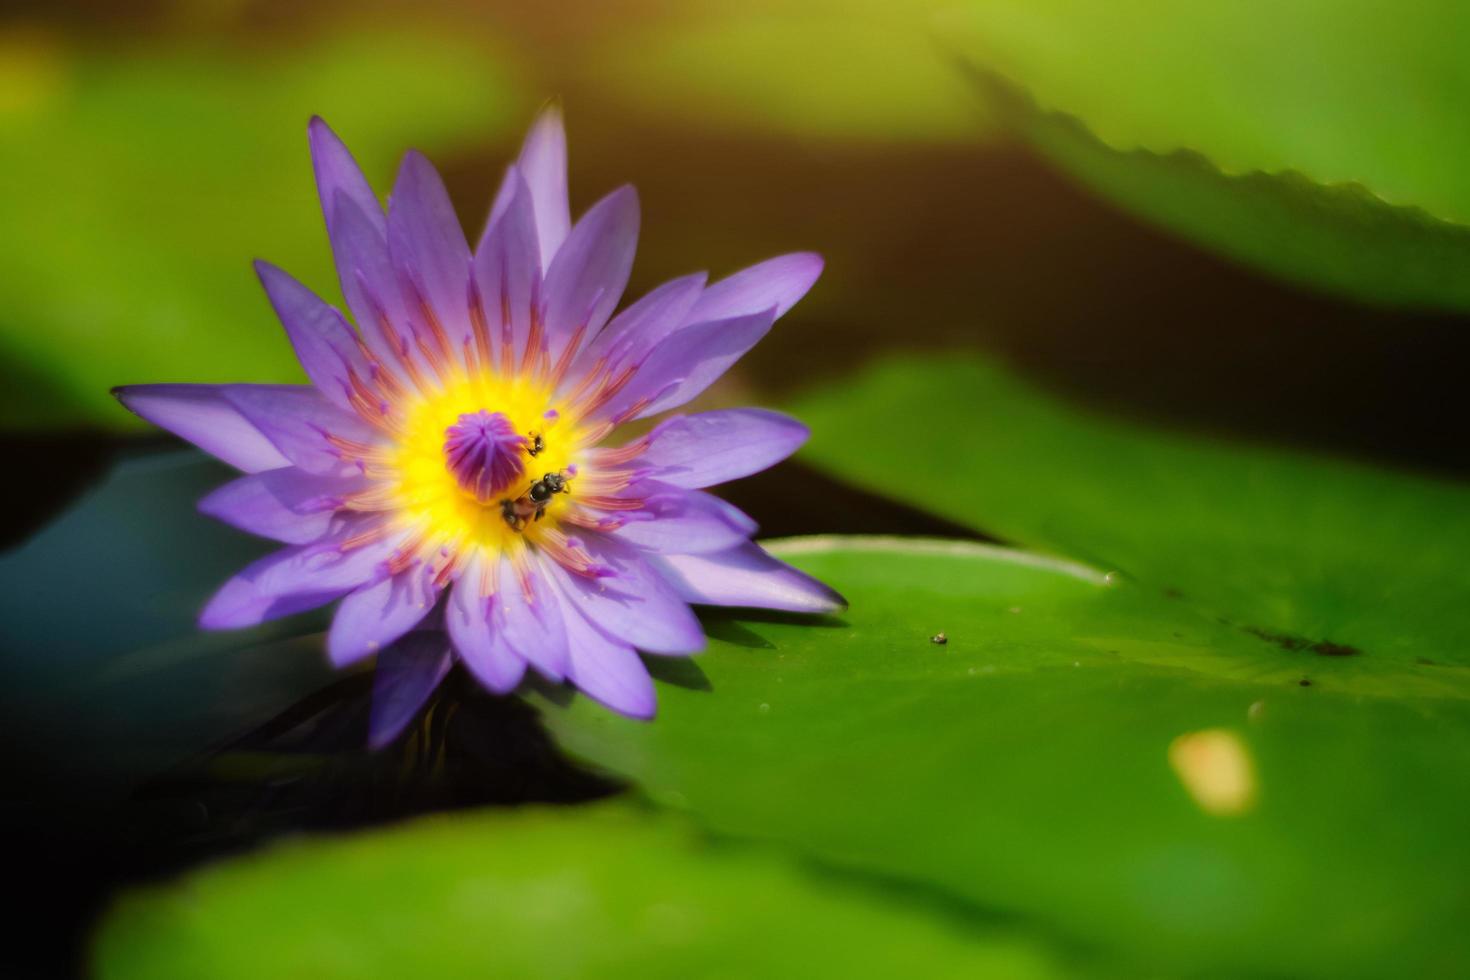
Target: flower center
[(483, 452)]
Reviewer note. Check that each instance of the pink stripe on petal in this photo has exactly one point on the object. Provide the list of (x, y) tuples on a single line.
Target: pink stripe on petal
[(302, 424), (507, 269), (485, 652), (638, 329), (688, 361), (375, 615), (286, 504), (679, 521), (531, 623), (425, 238), (324, 343), (633, 604), (586, 280)]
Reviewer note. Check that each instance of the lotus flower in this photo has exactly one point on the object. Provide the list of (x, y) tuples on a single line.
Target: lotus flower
[(446, 473)]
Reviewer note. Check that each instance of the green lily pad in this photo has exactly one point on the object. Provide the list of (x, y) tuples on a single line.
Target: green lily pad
[(1320, 143), (1308, 550), (592, 892), (802, 71), (142, 181), (1047, 760)]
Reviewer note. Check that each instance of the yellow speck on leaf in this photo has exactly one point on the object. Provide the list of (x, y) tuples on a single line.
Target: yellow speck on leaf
[(1217, 770)]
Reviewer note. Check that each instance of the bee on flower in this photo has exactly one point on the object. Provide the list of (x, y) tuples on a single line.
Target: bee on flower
[(446, 474)]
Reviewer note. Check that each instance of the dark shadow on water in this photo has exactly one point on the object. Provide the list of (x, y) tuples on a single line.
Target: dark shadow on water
[(305, 770), (713, 618), (795, 499), (679, 671), (731, 631)]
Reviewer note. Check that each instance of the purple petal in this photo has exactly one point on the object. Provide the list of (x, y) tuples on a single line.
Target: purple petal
[(337, 173), (299, 578), (506, 265), (638, 329), (202, 415), (403, 678), (286, 504), (681, 521), (531, 622), (375, 615), (634, 604), (503, 195), (298, 420), (484, 651), (586, 279), (370, 284), (688, 361), (543, 161), (747, 576), (324, 343), (238, 605), (607, 670), (425, 240), (702, 450), (777, 282)]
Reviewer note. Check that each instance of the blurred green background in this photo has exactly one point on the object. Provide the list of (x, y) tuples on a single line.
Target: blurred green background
[(1136, 369)]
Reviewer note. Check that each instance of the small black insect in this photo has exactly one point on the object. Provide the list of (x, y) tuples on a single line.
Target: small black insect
[(543, 489), (537, 445), (531, 505)]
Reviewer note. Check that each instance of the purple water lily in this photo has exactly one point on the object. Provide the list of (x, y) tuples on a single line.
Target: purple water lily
[(444, 473)]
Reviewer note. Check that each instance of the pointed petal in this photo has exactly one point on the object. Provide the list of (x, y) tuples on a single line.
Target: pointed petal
[(370, 284), (403, 678), (298, 420), (375, 615), (202, 415), (467, 614), (634, 604), (688, 361), (238, 605), (638, 329), (503, 195), (324, 343), (702, 450), (337, 173), (530, 619), (507, 267), (747, 576), (608, 671), (543, 161), (777, 282), (585, 281), (301, 577), (286, 504), (681, 521), (426, 241)]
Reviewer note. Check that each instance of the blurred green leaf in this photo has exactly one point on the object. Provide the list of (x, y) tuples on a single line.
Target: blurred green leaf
[(866, 71), (1325, 144), (1025, 764), (1312, 547), (592, 892), (140, 183), (106, 677)]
